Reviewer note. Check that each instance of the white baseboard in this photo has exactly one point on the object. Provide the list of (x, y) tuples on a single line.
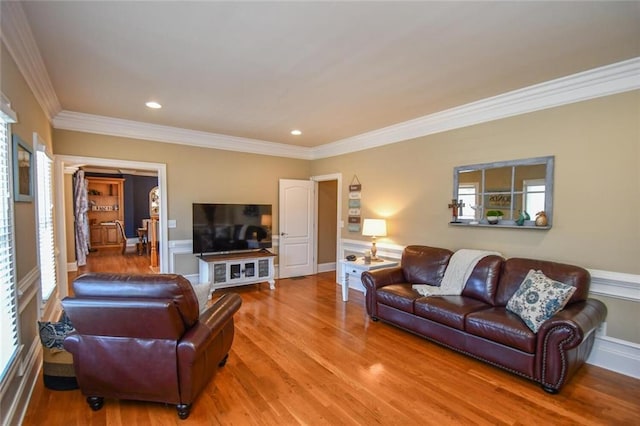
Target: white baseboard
[(616, 355), (326, 267)]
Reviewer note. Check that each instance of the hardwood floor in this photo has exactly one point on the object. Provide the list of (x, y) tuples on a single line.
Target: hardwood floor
[(302, 356), (111, 259)]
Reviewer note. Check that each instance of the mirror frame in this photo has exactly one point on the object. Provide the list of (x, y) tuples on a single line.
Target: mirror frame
[(548, 161)]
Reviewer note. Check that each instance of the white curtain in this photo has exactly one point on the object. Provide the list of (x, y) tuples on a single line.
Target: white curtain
[(81, 205)]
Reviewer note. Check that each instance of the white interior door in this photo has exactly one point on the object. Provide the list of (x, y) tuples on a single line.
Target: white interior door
[(296, 246)]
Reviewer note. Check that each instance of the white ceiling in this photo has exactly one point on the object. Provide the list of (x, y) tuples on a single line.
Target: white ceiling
[(332, 69)]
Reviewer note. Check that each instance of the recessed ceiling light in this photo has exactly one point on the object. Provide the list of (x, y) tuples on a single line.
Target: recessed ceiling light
[(296, 132), (154, 105)]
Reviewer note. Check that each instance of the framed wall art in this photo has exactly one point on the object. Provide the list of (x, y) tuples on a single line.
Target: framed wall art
[(355, 195), (22, 170)]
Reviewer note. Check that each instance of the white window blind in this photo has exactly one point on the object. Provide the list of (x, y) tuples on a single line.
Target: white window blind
[(46, 245), (8, 304)]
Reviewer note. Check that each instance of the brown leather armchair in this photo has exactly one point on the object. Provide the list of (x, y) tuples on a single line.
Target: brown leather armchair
[(140, 337)]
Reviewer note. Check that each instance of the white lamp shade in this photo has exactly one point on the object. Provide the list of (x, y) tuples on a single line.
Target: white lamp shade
[(374, 228)]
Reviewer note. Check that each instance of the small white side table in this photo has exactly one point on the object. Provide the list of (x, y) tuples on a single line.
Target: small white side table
[(355, 268)]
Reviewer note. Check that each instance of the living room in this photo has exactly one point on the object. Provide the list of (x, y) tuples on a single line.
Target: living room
[(406, 177)]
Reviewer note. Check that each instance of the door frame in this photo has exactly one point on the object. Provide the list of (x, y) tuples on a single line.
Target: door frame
[(62, 163), (339, 222)]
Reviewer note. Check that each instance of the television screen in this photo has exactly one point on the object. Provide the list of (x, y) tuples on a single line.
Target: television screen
[(220, 228)]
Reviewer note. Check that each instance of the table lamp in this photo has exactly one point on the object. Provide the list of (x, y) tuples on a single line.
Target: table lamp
[(374, 228)]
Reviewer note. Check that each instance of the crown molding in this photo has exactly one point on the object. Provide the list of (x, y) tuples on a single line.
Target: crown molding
[(598, 82), (17, 36), (603, 81), (81, 122)]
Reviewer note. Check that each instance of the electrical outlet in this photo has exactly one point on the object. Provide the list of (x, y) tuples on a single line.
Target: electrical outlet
[(171, 223)]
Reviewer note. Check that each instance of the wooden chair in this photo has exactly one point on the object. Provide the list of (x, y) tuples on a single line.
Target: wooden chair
[(123, 236)]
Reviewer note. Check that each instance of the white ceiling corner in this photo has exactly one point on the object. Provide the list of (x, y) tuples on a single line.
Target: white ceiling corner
[(19, 40), (599, 81)]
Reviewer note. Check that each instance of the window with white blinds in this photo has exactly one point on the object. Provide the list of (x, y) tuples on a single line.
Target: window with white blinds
[(8, 304), (46, 245)]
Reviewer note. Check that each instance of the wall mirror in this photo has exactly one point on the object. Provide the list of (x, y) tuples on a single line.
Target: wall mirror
[(510, 190)]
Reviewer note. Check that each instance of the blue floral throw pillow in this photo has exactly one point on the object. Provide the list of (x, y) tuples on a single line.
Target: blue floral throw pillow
[(52, 334), (538, 299)]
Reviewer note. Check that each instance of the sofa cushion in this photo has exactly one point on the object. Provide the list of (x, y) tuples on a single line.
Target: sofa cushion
[(424, 265), (514, 271), (499, 325), (483, 282), (538, 299), (448, 310), (203, 293), (400, 296)]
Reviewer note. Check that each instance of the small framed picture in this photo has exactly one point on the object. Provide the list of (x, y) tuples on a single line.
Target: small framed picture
[(354, 219), (22, 170)]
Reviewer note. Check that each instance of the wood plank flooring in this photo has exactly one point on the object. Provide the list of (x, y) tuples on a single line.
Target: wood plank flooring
[(301, 356)]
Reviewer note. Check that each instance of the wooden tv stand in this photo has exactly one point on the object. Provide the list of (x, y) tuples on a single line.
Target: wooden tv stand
[(235, 269)]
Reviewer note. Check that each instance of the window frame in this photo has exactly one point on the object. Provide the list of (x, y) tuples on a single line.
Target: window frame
[(47, 257), (9, 294)]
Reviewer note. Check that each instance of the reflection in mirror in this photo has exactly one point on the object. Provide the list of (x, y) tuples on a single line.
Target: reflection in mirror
[(154, 202), (511, 189)]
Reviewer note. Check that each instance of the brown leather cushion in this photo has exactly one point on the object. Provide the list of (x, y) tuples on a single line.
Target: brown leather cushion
[(483, 282), (425, 265), (448, 310), (400, 296), (154, 286), (516, 269), (502, 326)]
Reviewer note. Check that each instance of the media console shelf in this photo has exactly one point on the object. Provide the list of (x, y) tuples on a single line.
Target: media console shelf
[(235, 269)]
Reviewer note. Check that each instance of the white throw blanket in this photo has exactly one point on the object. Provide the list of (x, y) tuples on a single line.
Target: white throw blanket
[(457, 273)]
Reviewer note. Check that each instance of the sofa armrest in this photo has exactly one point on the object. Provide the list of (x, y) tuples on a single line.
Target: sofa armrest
[(377, 278), (205, 346), (211, 321), (565, 341), (373, 280)]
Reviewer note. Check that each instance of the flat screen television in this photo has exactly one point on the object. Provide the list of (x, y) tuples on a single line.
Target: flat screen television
[(223, 228)]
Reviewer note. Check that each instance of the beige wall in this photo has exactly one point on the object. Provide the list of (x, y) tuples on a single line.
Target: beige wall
[(623, 318), (596, 145), (596, 148), (193, 175)]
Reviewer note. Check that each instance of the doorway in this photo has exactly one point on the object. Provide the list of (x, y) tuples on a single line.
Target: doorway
[(66, 164), (320, 224), (328, 221)]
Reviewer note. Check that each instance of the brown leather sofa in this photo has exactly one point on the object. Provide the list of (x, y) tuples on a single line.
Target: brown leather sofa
[(477, 322), (141, 337)]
